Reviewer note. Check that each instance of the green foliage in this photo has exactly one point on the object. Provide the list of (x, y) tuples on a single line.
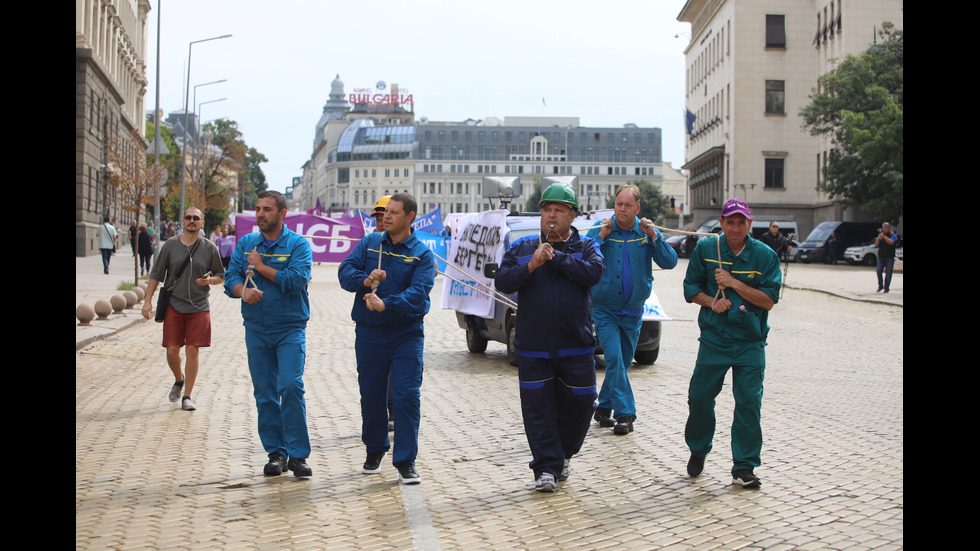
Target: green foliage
[(653, 203), (254, 181), (535, 196), (860, 107)]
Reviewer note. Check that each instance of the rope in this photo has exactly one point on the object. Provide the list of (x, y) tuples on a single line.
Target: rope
[(375, 282), (504, 301), (460, 270), (720, 288), (248, 276)]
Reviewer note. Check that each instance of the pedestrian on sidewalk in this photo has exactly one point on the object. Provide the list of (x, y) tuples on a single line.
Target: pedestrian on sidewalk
[(107, 242), (553, 273), (886, 241), (226, 245), (734, 327), (629, 247), (145, 250), (187, 319), (270, 272), (391, 274)]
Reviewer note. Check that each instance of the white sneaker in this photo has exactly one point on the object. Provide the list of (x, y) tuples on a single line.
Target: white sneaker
[(187, 404), (545, 483), (566, 470)]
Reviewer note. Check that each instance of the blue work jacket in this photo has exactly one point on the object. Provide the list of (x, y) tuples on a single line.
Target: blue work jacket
[(641, 253), (409, 274), (554, 314), (285, 302)]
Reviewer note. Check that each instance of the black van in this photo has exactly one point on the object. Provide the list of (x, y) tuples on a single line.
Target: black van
[(849, 234)]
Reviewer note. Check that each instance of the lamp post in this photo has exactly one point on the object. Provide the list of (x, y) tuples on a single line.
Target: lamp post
[(157, 140), (187, 97)]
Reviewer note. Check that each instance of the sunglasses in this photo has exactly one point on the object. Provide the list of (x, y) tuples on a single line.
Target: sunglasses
[(190, 217)]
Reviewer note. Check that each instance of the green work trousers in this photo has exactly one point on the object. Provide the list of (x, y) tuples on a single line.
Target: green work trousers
[(747, 361)]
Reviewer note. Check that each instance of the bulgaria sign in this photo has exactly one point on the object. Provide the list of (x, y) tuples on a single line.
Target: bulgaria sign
[(393, 96)]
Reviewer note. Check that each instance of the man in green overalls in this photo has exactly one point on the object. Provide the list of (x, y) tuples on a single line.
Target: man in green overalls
[(735, 289)]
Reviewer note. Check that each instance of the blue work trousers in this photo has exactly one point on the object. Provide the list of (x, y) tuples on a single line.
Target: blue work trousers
[(617, 335), (748, 364), (396, 351), (557, 403), (885, 266), (276, 361)]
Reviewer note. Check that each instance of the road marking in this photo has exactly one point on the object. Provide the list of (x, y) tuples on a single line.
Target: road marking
[(419, 520)]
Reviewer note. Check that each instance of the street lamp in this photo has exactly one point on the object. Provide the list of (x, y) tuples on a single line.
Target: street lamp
[(187, 97)]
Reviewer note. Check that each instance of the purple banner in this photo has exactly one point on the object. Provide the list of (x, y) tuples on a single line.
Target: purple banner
[(316, 229)]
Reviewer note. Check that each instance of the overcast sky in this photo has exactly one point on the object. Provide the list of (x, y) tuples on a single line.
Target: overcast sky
[(607, 63)]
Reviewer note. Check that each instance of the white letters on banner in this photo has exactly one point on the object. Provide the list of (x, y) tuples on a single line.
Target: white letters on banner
[(478, 239)]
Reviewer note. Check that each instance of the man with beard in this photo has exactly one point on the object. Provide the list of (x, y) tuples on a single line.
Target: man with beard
[(270, 272), (188, 317)]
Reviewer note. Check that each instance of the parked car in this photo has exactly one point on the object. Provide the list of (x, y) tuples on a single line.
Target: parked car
[(682, 244), (849, 234), (867, 254), (502, 326)]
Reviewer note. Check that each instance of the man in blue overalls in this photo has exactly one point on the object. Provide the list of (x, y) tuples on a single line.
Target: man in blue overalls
[(629, 247), (553, 273), (275, 311), (392, 297)]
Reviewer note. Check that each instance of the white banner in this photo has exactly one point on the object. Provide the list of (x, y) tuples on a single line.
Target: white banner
[(478, 239)]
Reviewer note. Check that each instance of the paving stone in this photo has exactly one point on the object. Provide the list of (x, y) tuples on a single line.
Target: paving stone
[(151, 476)]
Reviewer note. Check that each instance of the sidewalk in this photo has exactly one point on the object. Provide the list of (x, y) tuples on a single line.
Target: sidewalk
[(92, 285)]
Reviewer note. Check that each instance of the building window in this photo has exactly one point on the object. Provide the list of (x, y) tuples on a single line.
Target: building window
[(775, 31), (774, 173), (775, 97)]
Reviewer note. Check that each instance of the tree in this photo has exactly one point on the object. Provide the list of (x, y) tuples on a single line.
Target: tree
[(653, 203), (137, 182), (860, 107), (254, 180), (531, 205)]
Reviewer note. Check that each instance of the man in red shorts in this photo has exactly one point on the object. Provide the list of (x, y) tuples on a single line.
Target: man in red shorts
[(188, 318)]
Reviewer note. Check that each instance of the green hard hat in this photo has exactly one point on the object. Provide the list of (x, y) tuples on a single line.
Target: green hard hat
[(561, 193)]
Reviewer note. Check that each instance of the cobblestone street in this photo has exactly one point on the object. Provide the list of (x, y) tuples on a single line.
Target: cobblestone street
[(151, 476)]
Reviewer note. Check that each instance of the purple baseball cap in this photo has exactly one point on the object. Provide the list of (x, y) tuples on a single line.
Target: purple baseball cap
[(736, 206)]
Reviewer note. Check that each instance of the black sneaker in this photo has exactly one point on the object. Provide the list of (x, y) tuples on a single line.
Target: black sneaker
[(624, 425), (276, 465), (407, 473), (695, 466), (604, 417), (373, 462), (746, 479), (299, 467)]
